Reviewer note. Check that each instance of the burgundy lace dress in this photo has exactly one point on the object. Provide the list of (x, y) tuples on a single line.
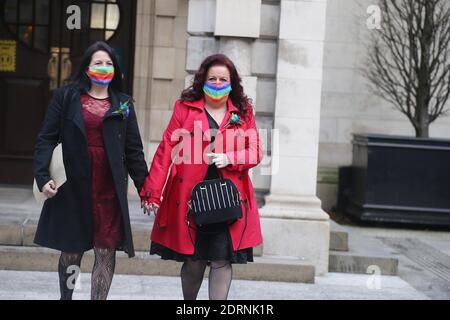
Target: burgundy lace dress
[(107, 218)]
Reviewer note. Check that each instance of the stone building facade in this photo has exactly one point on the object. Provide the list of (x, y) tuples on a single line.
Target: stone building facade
[(300, 62)]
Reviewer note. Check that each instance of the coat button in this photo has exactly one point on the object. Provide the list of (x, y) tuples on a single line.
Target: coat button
[(119, 135), (240, 178), (178, 202), (181, 180)]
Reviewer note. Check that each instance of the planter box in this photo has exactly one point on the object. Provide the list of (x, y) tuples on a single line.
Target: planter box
[(399, 179)]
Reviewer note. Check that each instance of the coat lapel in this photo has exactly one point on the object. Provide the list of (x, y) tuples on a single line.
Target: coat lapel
[(78, 113), (231, 109), (202, 118), (115, 104)]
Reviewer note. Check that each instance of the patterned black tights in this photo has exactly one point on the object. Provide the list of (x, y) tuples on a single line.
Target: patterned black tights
[(102, 273), (68, 270)]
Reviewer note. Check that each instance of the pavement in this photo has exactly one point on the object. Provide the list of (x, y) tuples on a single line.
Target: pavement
[(25, 285), (423, 256), (423, 270)]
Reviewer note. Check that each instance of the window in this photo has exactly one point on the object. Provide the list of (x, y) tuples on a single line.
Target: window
[(33, 22)]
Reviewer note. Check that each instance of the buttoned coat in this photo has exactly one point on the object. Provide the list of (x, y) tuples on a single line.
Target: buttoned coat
[(180, 163)]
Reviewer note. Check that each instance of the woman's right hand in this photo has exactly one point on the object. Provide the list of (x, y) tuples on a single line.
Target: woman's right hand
[(49, 189)]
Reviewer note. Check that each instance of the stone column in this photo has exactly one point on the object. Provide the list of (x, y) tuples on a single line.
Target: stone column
[(293, 222), (145, 19), (160, 58)]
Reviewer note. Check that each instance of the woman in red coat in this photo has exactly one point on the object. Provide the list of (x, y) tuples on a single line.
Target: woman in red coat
[(212, 129)]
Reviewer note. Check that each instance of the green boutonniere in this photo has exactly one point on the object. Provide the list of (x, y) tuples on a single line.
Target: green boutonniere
[(124, 110), (234, 120)]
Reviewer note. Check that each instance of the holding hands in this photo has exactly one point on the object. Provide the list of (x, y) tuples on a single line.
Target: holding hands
[(221, 160), (149, 207)]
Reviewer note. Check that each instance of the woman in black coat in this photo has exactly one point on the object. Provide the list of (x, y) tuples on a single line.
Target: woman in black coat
[(96, 124)]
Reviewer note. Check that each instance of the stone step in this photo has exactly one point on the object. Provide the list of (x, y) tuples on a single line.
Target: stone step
[(364, 255), (338, 237), (263, 269), (20, 231), (338, 240), (362, 264)]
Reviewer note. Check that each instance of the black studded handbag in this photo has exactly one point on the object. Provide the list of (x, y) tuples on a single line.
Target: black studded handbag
[(215, 201)]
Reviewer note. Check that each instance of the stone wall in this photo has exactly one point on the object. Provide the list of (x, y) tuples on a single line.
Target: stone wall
[(174, 36), (159, 72), (249, 38)]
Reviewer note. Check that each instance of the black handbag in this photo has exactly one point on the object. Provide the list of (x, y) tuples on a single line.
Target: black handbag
[(215, 201)]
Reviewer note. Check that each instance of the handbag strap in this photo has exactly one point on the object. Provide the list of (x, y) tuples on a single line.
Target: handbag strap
[(219, 173)]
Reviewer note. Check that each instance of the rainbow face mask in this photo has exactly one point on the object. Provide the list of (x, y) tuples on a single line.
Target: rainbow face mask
[(101, 76), (216, 92)]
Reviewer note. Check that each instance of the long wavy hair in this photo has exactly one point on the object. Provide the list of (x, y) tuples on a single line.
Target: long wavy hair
[(237, 95), (80, 78)]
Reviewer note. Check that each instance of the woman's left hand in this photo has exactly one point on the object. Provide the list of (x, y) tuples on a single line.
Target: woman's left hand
[(221, 160), (149, 207)]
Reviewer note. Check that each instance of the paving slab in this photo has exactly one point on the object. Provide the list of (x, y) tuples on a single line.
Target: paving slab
[(335, 286)]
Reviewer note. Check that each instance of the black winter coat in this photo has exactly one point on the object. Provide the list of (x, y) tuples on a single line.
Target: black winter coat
[(66, 221)]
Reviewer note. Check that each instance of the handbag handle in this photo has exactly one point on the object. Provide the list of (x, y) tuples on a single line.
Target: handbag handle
[(219, 173)]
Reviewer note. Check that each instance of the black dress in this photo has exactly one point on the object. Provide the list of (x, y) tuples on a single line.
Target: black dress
[(213, 241)]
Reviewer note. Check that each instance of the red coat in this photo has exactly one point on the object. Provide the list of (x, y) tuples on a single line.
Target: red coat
[(184, 137)]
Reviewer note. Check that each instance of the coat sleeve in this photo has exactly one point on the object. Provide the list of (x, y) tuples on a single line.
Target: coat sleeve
[(137, 167), (162, 160), (252, 154), (48, 139)]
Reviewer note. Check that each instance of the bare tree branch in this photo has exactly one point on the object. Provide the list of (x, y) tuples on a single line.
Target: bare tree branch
[(408, 63)]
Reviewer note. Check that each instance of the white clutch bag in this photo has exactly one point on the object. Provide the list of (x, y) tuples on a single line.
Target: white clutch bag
[(57, 173)]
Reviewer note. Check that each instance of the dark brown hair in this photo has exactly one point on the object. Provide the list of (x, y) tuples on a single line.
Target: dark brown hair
[(237, 96)]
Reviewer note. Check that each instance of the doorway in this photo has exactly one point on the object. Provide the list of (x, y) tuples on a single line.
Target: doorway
[(38, 54)]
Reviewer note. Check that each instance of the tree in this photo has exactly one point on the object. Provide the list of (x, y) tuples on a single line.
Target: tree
[(409, 59)]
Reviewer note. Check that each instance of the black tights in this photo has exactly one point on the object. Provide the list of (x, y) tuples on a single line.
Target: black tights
[(220, 275), (68, 270), (102, 273)]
